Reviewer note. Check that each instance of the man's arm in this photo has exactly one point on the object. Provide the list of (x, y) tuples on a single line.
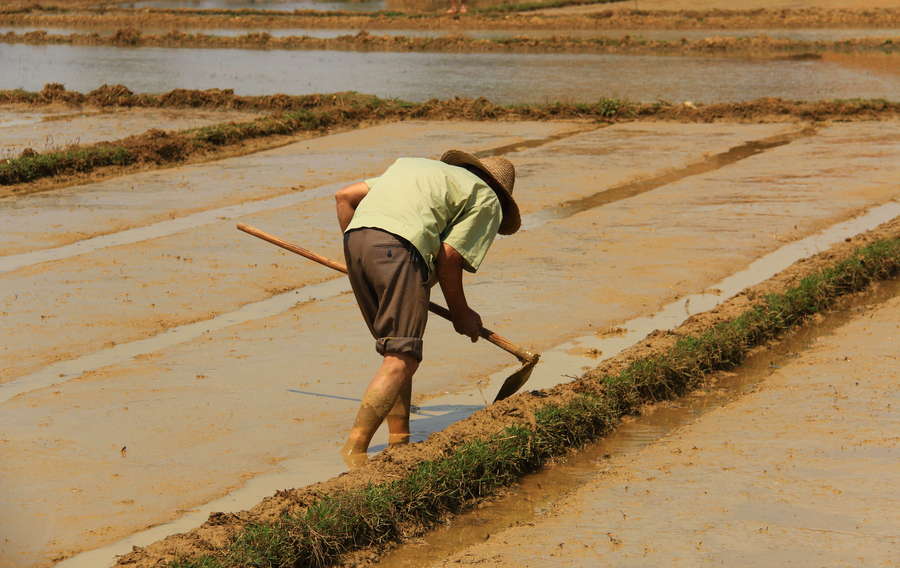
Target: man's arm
[(449, 268), (347, 200)]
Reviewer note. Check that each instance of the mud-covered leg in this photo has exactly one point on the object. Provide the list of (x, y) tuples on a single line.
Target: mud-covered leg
[(398, 417), (394, 375)]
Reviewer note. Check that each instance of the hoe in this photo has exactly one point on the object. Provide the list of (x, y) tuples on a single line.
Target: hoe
[(510, 386)]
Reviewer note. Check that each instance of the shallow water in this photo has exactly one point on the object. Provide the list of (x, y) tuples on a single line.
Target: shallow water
[(276, 5), (539, 492), (508, 78), (556, 364), (660, 35)]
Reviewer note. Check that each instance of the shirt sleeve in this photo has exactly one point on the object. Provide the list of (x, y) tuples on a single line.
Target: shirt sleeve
[(371, 181), (473, 231)]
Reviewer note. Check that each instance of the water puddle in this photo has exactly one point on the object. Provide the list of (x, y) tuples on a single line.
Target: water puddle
[(557, 365), (536, 493), (509, 78)]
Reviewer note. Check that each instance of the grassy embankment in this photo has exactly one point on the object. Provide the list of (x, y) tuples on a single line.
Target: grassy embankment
[(382, 513), (317, 113)]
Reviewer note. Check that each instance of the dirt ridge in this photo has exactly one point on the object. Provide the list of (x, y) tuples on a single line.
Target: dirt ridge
[(364, 41), (304, 115), (606, 19)]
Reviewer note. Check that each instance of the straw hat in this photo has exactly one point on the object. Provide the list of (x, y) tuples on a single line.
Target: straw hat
[(500, 174)]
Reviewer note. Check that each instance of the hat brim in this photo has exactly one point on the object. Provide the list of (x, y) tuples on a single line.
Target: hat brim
[(512, 218)]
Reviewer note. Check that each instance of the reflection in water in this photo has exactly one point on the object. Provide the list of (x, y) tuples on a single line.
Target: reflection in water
[(503, 78), (637, 35)]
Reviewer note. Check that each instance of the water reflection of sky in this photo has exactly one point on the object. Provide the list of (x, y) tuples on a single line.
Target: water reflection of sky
[(420, 76), (662, 35), (276, 5)]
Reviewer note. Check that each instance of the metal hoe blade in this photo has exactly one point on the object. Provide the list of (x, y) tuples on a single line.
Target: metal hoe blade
[(518, 379)]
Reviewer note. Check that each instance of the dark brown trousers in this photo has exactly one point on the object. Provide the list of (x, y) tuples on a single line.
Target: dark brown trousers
[(389, 277)]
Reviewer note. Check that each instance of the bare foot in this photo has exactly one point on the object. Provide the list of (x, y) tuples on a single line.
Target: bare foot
[(352, 459), (451, 11), (397, 440), (463, 9)]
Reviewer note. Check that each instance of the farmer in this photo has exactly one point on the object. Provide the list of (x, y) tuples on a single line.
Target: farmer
[(422, 221)]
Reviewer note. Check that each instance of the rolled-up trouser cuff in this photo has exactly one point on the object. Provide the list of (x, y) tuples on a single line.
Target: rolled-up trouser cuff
[(411, 346)]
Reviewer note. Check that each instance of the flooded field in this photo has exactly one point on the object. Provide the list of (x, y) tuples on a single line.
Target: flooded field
[(421, 76), (798, 469), (542, 499), (637, 34), (45, 132), (276, 5), (168, 368), (158, 366)]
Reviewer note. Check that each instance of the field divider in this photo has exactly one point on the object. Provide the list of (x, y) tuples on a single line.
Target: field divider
[(514, 16), (454, 43), (541, 425), (322, 113)]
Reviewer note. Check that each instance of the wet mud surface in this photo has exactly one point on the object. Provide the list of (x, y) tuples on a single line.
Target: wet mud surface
[(73, 212), (798, 471), (220, 396), (56, 131), (397, 462)]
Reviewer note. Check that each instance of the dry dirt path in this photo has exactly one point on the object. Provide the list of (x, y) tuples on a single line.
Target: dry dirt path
[(801, 472), (58, 130), (208, 410)]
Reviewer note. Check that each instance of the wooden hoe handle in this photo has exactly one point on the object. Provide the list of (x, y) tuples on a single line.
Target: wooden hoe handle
[(522, 355)]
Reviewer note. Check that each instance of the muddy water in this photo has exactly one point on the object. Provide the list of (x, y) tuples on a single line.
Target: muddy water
[(536, 494), (420, 76), (304, 216), (152, 205), (275, 5), (273, 394), (637, 34), (63, 130), (799, 471), (437, 412), (10, 118)]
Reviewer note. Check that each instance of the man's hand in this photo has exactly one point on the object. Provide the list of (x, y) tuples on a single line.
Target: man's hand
[(467, 322), (449, 272)]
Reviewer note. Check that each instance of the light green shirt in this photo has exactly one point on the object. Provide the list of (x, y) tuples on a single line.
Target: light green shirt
[(428, 202)]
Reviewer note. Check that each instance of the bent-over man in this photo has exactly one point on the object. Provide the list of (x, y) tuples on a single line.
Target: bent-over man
[(422, 221)]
